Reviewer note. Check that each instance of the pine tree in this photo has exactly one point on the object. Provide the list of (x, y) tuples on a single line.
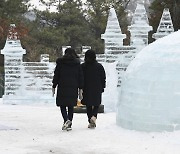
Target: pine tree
[(11, 11), (67, 26), (97, 14)]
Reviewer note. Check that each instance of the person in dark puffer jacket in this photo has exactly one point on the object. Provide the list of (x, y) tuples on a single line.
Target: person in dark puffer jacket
[(94, 84), (68, 78)]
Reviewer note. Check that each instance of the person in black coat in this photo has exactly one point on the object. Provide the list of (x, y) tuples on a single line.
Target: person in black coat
[(94, 84), (68, 78)]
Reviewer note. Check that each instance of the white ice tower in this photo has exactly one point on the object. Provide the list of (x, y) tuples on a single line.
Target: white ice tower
[(150, 91), (13, 55), (113, 36), (165, 26), (140, 27), (25, 82)]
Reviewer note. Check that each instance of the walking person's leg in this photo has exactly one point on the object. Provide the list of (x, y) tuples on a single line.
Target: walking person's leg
[(95, 111), (70, 117), (89, 112), (64, 113), (92, 122), (65, 117), (70, 112), (94, 115)]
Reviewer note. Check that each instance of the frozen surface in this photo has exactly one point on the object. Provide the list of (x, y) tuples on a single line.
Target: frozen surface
[(40, 133), (150, 92)]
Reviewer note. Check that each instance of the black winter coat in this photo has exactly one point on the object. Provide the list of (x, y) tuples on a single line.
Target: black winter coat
[(68, 76), (94, 83)]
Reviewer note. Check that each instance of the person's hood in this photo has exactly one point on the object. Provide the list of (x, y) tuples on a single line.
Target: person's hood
[(68, 61)]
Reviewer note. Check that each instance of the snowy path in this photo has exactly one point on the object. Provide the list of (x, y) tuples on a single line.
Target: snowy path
[(40, 133)]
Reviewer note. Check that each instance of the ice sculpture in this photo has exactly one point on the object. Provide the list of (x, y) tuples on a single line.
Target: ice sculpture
[(139, 39), (115, 51), (150, 91), (165, 26), (45, 58), (113, 36), (139, 27), (25, 82), (13, 53)]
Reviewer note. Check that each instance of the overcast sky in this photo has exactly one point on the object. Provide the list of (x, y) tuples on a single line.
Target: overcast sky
[(40, 6)]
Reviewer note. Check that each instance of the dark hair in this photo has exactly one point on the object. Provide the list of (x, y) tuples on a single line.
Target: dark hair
[(70, 53), (90, 56)]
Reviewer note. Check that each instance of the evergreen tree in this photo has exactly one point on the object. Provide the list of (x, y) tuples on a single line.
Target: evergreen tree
[(97, 13), (11, 11), (68, 26), (76, 26)]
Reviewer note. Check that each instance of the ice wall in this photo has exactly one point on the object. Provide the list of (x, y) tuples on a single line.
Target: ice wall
[(150, 91)]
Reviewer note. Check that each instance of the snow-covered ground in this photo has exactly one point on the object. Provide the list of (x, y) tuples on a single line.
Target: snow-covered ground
[(36, 129)]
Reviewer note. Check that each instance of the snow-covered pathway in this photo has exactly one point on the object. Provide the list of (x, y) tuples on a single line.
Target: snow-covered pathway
[(39, 132)]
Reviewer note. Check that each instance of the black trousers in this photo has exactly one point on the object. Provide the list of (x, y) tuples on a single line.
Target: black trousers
[(67, 112), (92, 111)]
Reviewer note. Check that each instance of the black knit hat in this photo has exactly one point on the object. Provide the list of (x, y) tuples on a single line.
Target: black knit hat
[(70, 52), (90, 56)]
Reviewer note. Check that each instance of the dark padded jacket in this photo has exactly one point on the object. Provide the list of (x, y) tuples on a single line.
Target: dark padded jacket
[(94, 83), (68, 77)]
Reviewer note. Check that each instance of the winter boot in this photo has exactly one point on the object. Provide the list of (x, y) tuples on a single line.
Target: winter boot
[(93, 121), (67, 125), (91, 126), (64, 126)]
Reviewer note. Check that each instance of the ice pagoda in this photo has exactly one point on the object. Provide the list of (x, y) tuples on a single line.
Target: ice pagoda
[(13, 55), (140, 27), (25, 82), (113, 36), (165, 26)]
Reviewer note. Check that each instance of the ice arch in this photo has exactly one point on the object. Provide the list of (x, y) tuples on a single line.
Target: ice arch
[(150, 94)]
